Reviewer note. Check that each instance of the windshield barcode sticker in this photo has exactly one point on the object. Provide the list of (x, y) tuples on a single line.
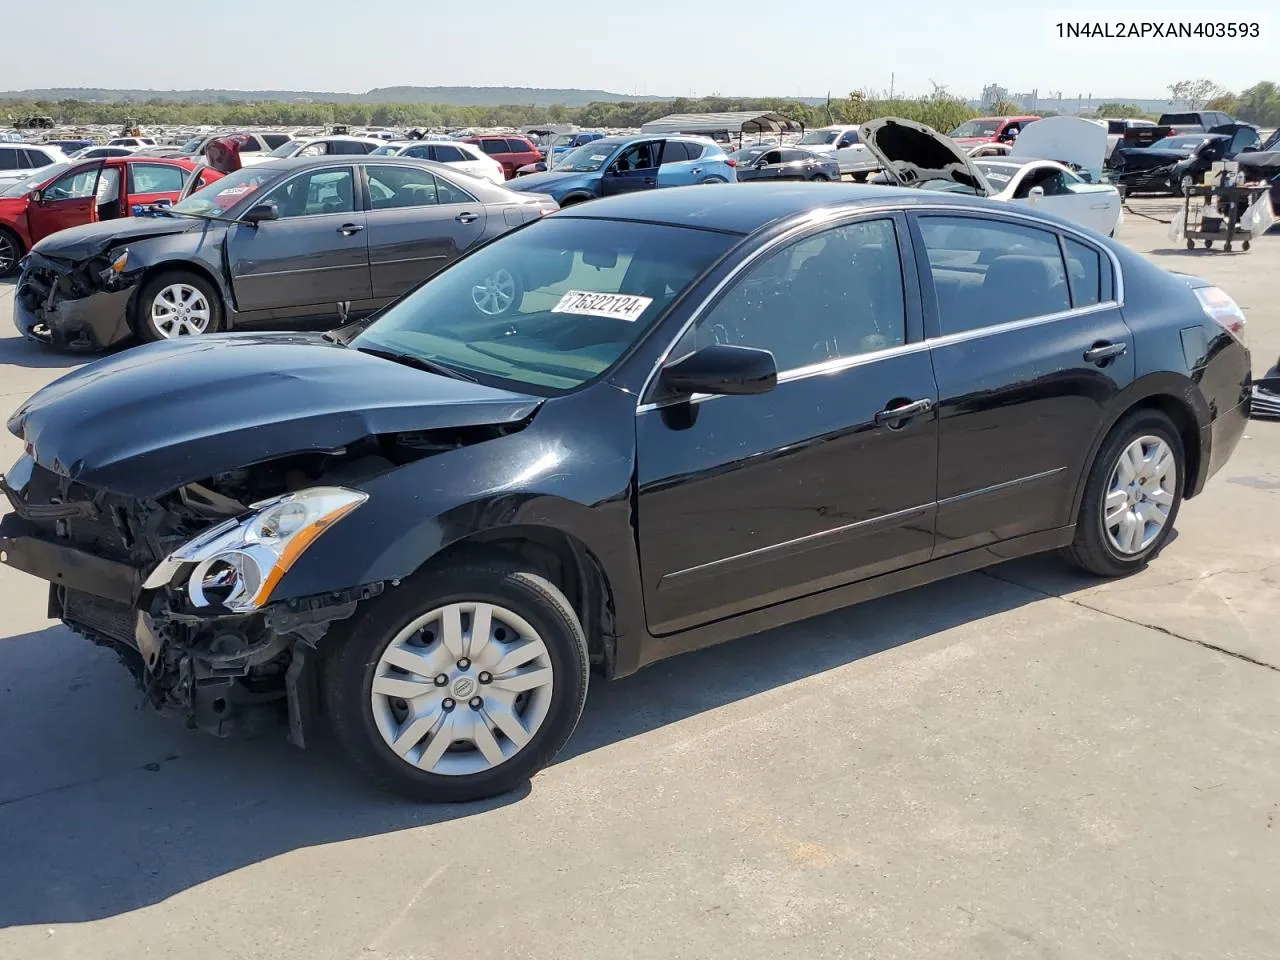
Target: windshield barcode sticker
[(619, 306)]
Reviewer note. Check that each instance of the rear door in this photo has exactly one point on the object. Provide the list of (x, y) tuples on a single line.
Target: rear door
[(153, 183), (1027, 363), (316, 254), (418, 223), (67, 202), (634, 169), (811, 485)]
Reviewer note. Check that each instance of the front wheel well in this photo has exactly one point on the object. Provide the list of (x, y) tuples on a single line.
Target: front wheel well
[(183, 266), (566, 562), (573, 198)]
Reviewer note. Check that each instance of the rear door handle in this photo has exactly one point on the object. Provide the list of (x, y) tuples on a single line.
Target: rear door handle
[(467, 217), (896, 416), (1103, 352), (347, 229)]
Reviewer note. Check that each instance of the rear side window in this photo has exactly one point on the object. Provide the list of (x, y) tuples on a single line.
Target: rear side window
[(9, 160), (351, 147), (1116, 126), (494, 146), (274, 140), (38, 158), (519, 146), (444, 153), (988, 272), (674, 152), (1084, 271), (155, 178)]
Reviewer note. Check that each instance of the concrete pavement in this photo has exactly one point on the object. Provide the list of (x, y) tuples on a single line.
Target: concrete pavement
[(1014, 764)]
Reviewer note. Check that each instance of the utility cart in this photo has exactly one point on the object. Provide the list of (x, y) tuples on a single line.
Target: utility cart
[(1217, 215)]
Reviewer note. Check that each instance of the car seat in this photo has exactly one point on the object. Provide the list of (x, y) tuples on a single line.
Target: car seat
[(1018, 286)]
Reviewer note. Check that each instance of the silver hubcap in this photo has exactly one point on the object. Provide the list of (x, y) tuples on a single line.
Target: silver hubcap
[(180, 310), (462, 689), (1140, 495), (494, 296)]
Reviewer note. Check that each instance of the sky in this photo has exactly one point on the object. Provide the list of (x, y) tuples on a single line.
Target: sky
[(655, 48)]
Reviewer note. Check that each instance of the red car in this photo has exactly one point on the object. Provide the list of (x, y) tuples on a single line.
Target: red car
[(87, 191), (512, 152), (990, 130)]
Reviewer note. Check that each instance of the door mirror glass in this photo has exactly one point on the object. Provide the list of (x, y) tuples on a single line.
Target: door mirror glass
[(262, 211), (722, 369)]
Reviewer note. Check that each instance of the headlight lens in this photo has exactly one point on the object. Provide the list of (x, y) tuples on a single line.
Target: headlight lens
[(239, 563)]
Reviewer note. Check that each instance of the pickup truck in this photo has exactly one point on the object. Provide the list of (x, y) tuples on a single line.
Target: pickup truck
[(1193, 121)]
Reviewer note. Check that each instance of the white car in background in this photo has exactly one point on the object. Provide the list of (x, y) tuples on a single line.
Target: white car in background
[(845, 144), (316, 147), (136, 142), (95, 153), (1055, 165), (466, 157), (21, 160)]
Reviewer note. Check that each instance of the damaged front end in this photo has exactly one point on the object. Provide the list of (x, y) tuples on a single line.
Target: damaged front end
[(76, 304)]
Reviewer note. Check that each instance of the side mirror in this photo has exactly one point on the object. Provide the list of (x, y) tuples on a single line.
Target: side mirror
[(722, 369), (1250, 149), (1035, 193), (260, 212)]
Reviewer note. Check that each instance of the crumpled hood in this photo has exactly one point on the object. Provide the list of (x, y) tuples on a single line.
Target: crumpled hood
[(153, 418), (90, 239), (549, 181)]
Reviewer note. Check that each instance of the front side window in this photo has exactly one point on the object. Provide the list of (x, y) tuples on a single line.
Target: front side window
[(317, 149), (836, 294), (286, 149), (155, 178), (549, 307), (987, 272), (315, 193), (640, 156), (422, 152), (76, 185), (446, 153)]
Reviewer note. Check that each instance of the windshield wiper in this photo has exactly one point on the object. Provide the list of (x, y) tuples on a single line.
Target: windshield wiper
[(422, 363)]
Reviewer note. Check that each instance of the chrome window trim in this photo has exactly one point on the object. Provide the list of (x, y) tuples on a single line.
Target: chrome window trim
[(832, 215)]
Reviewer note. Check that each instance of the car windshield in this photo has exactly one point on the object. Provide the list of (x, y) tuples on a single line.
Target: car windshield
[(286, 149), (587, 158), (549, 307), (976, 128), (1178, 143), (818, 137), (564, 139), (997, 174), (221, 195)]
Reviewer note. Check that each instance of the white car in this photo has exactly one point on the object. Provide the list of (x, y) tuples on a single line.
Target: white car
[(316, 147), (132, 142), (20, 160), (1055, 165), (466, 157), (845, 144), (94, 153)]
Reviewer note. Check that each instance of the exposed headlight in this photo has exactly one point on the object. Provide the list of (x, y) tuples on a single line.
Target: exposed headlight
[(239, 563)]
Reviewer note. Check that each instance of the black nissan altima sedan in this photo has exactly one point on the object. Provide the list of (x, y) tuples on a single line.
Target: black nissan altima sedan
[(715, 410), (308, 239)]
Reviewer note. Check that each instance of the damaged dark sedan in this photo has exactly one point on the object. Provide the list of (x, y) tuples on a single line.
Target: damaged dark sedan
[(712, 411), (313, 239)]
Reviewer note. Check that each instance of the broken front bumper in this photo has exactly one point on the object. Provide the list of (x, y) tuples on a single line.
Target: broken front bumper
[(41, 313)]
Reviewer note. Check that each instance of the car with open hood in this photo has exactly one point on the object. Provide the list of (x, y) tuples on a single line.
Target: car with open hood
[(307, 239), (1229, 142), (73, 193), (1052, 166), (713, 410), (1263, 164), (616, 165)]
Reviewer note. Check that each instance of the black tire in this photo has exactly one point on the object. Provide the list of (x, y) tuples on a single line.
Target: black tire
[(1092, 550), (352, 661), (860, 177), (10, 252), (570, 201), (143, 324), (819, 178)]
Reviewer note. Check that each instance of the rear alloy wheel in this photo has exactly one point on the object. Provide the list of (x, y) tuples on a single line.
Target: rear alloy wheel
[(714, 180), (178, 304), (1131, 497), (460, 685), (497, 293), (10, 252)]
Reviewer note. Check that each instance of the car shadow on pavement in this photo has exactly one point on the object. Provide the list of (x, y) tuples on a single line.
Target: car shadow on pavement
[(133, 837)]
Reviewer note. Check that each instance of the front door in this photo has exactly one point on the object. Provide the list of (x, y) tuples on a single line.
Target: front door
[(1029, 350), (749, 501), (636, 168), (315, 255), (417, 224), (67, 202)]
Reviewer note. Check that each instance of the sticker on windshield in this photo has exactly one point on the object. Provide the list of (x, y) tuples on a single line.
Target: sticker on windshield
[(619, 306), (599, 157)]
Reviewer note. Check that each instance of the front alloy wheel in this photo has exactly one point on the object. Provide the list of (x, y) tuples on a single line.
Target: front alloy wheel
[(10, 252), (459, 684), (180, 310)]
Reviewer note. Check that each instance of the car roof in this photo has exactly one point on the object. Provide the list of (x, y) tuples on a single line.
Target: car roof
[(735, 209)]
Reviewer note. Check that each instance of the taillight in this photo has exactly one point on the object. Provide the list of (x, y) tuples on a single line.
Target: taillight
[(1219, 307), (731, 162)]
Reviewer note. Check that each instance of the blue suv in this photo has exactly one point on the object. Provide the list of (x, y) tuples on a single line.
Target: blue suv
[(614, 165)]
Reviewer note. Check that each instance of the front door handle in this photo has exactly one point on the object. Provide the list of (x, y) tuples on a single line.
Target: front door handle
[(648, 181), (1099, 206), (896, 415), (467, 217), (347, 229), (1103, 352), (696, 170)]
